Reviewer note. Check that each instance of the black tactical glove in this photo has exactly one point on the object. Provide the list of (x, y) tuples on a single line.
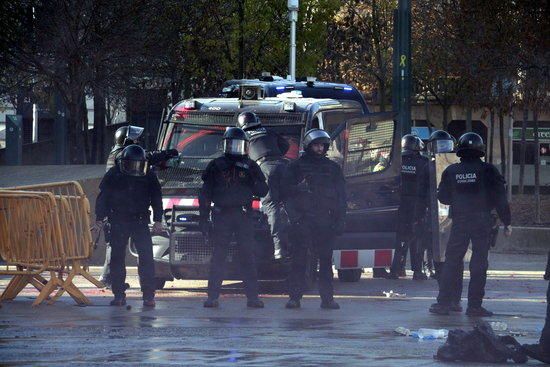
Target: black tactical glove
[(339, 226), (172, 153), (205, 226)]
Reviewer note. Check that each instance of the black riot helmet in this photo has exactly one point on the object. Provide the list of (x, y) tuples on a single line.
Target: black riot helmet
[(316, 136), (441, 141), (470, 145), (248, 121), (128, 135), (235, 142), (132, 161), (411, 143)]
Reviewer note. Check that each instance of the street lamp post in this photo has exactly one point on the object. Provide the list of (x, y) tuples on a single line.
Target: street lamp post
[(293, 6)]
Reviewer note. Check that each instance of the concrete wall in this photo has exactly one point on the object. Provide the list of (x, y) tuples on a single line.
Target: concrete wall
[(524, 240)]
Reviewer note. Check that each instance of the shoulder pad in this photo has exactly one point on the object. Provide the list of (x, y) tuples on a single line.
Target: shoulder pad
[(257, 132), (244, 165)]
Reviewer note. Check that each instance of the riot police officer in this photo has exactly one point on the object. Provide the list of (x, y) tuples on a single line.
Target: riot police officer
[(128, 135), (126, 192), (125, 136), (267, 149), (412, 208), (472, 188), (230, 183), (541, 351), (315, 200)]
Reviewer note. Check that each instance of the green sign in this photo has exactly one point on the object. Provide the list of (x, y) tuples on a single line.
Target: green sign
[(544, 134)]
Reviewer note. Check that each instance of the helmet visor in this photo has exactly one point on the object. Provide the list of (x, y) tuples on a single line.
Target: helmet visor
[(442, 146), (133, 168), (134, 132), (235, 146)]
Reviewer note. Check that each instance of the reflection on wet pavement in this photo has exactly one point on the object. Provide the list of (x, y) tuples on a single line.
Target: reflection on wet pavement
[(180, 332)]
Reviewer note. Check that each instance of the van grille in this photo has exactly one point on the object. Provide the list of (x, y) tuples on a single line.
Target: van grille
[(191, 248)]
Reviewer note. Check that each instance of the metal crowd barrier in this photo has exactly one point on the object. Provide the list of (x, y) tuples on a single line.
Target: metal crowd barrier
[(65, 212)]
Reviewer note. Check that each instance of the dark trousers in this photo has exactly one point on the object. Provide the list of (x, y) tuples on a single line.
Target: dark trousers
[(545, 335), (474, 228), (319, 239), (409, 238), (272, 205), (139, 232), (225, 224)]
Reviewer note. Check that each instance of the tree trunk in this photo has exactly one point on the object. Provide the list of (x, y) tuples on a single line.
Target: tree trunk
[(537, 166), (502, 143), (445, 117), (99, 126), (427, 109), (84, 124), (491, 138), (468, 119), (382, 95), (241, 39), (76, 153), (522, 151)]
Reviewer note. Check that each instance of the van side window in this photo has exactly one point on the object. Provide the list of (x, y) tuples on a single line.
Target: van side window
[(369, 147), (331, 122)]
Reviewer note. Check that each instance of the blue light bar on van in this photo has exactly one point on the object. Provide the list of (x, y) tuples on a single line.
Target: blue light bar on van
[(280, 88), (348, 89)]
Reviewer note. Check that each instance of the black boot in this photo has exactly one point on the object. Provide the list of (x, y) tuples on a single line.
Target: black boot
[(254, 303), (439, 309), (478, 312), (330, 305), (418, 275), (118, 301), (293, 303), (211, 303), (455, 307)]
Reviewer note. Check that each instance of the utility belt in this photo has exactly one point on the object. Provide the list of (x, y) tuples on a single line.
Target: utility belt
[(268, 159), (129, 217), (232, 209), (470, 216)]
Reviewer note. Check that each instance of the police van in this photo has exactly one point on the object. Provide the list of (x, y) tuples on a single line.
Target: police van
[(310, 87), (367, 146)]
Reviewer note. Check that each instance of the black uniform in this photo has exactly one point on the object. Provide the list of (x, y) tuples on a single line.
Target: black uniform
[(125, 200), (230, 183), (268, 148), (412, 210), (154, 158), (315, 200), (472, 188)]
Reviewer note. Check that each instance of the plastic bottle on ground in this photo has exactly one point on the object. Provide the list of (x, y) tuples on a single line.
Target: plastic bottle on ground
[(403, 331), (428, 334)]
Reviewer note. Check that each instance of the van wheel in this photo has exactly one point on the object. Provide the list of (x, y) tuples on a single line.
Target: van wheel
[(349, 275), (311, 270), (159, 283)]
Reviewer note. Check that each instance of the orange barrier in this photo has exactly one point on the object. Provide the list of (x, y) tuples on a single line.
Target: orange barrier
[(73, 244), (31, 241)]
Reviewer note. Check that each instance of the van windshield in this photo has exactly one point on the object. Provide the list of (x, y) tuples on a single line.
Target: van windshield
[(199, 144)]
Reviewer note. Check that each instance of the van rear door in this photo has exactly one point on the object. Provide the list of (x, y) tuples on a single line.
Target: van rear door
[(371, 166)]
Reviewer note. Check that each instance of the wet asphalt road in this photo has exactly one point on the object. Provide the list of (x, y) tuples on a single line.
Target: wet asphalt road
[(179, 331)]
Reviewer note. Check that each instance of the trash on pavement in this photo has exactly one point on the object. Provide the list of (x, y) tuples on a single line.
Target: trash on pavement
[(498, 325), (480, 345), (392, 294), (423, 333), (402, 331)]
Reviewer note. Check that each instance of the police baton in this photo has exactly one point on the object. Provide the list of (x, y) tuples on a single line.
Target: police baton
[(493, 234)]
